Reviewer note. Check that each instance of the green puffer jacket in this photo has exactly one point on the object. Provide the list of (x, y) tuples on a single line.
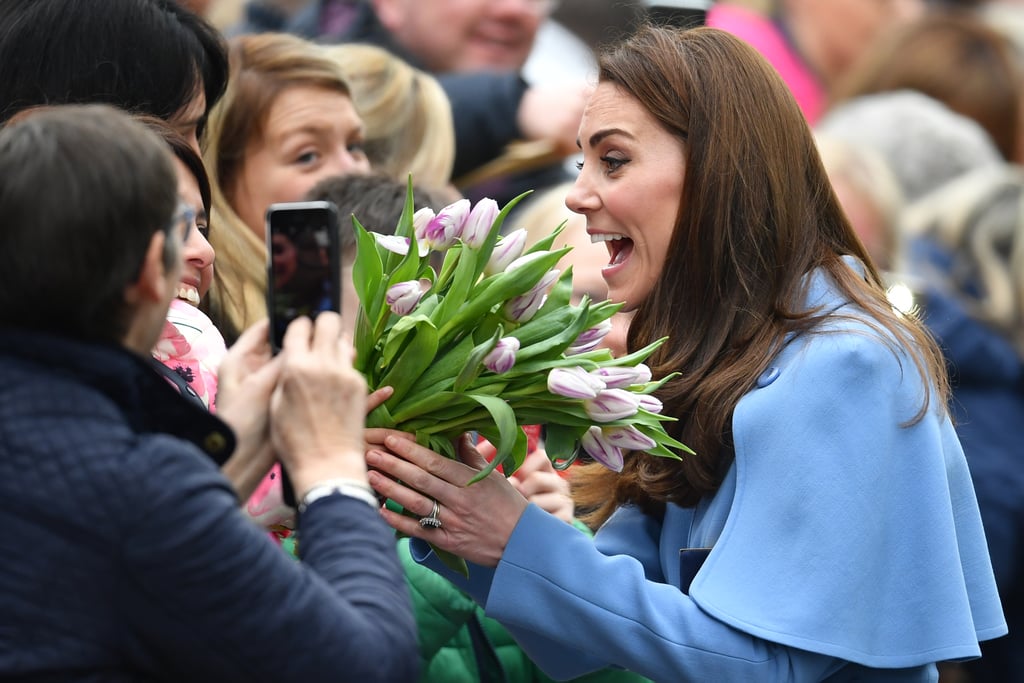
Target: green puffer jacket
[(449, 622)]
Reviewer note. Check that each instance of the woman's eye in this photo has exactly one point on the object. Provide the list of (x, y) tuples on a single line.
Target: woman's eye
[(307, 157), (204, 230), (613, 163), (579, 165)]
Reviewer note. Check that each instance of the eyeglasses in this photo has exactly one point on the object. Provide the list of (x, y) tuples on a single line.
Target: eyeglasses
[(185, 216)]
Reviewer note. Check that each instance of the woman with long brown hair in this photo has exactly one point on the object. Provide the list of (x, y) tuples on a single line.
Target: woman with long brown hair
[(826, 527)]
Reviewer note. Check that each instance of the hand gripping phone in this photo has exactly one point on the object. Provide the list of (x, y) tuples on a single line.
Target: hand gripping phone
[(303, 273)]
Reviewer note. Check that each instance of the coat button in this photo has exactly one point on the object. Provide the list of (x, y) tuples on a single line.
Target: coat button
[(214, 443), (767, 377)]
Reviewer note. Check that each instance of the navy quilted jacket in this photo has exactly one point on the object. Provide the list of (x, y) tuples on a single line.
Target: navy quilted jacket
[(126, 557)]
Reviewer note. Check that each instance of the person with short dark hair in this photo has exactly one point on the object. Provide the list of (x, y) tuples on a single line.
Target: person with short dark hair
[(144, 56), (134, 561)]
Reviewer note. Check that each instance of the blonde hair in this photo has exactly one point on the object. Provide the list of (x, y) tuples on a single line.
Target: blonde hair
[(407, 115), (262, 66), (978, 221), (870, 176)]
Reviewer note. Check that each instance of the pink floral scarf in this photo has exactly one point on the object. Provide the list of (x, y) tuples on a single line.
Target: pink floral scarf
[(192, 346)]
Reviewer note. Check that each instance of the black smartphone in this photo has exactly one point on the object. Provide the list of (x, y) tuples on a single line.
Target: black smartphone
[(303, 273)]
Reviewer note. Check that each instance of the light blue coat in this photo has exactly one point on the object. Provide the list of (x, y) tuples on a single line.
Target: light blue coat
[(844, 546)]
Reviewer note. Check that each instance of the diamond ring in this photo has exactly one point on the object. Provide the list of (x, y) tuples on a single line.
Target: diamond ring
[(432, 521)]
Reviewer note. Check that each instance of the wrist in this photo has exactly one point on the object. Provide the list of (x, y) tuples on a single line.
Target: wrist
[(306, 476), (344, 486)]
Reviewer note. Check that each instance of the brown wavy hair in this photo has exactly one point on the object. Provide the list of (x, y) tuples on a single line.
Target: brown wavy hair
[(757, 213)]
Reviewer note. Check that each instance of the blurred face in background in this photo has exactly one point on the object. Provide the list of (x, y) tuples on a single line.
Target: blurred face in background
[(833, 34), (465, 35), (310, 133), (197, 254)]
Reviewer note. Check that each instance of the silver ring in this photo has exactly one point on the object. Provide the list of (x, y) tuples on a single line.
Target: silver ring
[(432, 521)]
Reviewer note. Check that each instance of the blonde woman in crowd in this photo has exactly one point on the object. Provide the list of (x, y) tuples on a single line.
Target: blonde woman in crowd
[(286, 121), (407, 115)]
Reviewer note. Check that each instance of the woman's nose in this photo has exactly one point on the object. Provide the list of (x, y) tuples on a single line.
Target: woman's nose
[(198, 249), (580, 198), (345, 161)]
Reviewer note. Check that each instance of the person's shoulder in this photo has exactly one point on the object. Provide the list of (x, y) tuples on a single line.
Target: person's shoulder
[(846, 342), (53, 412), (848, 360), (50, 422)]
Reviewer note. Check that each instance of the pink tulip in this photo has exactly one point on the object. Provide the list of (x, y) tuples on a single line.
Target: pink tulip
[(447, 226), (402, 297), (393, 243), (650, 404), (507, 249), (611, 404), (523, 307), (598, 448), (628, 438), (589, 338), (574, 382), (503, 356), (478, 225), (622, 377), (420, 220)]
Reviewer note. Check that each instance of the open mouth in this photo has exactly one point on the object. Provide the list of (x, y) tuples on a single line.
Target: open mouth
[(619, 246), (188, 294)]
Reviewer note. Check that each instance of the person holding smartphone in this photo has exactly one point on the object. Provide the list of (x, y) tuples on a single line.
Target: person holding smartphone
[(134, 560)]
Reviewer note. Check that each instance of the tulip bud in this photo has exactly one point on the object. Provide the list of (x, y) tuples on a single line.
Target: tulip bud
[(598, 448), (503, 356), (590, 338), (478, 225), (523, 307), (507, 249), (611, 404), (420, 220), (402, 297), (628, 438), (393, 243), (521, 261), (622, 377), (447, 226), (574, 382), (650, 404)]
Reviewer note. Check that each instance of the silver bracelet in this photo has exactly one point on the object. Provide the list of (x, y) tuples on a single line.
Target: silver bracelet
[(353, 488)]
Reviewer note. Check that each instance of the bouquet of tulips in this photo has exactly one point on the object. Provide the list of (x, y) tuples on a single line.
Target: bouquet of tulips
[(490, 342)]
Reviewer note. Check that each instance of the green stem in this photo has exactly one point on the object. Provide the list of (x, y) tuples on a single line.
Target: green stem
[(467, 419)]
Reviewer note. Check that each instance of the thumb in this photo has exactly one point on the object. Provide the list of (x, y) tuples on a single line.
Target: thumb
[(468, 453)]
